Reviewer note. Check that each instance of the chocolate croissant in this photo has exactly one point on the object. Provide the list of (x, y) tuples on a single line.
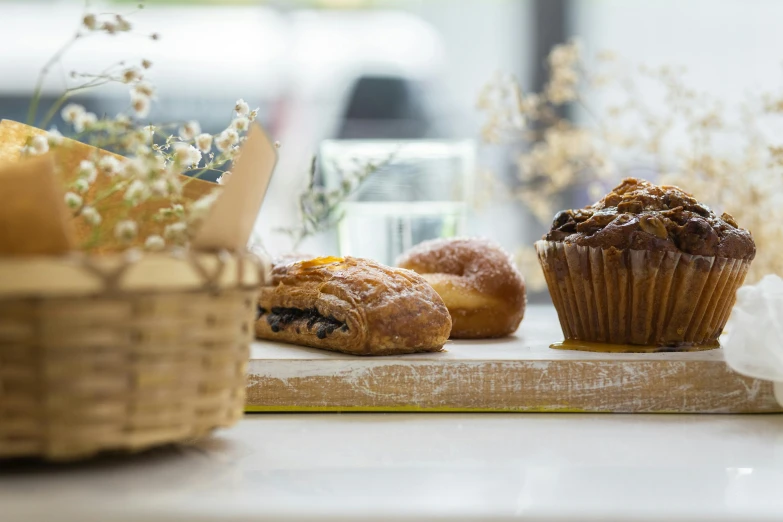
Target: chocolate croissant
[(352, 305)]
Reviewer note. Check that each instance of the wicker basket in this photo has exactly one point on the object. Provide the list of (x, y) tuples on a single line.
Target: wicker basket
[(117, 353)]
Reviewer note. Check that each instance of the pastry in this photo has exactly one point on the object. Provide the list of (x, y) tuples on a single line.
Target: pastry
[(646, 266), (478, 281), (354, 306)]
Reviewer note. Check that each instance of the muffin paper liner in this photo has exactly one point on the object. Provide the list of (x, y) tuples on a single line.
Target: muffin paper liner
[(640, 297)]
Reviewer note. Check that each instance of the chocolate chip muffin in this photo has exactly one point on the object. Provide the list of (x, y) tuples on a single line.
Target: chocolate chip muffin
[(647, 265)]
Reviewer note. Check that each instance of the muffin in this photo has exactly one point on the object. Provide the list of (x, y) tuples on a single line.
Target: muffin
[(647, 266)]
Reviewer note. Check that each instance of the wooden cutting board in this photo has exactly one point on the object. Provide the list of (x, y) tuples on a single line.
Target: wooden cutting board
[(520, 373)]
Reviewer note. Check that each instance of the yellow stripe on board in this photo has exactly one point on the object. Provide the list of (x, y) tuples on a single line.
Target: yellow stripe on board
[(403, 409)]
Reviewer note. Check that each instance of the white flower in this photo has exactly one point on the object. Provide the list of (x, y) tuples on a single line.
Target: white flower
[(140, 104), (39, 145), (231, 153), (122, 119), (136, 190), (87, 171), (200, 208), (122, 23), (126, 230), (240, 124), (90, 21), (143, 89), (187, 154), (176, 232), (134, 168), (226, 139), (84, 121), (73, 201), (109, 27), (71, 112), (131, 74), (91, 216), (159, 187), (109, 165), (146, 63), (54, 137), (241, 107), (204, 142), (223, 179), (189, 130), (253, 114), (81, 185), (155, 243)]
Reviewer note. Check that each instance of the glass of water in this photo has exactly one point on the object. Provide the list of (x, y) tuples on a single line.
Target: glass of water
[(419, 191)]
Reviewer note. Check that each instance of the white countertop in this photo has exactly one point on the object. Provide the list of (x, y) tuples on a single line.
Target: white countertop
[(406, 467)]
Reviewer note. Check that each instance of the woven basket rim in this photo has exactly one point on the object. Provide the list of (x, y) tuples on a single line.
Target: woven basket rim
[(80, 274)]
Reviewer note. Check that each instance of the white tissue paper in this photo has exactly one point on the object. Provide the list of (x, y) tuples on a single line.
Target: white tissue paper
[(754, 340)]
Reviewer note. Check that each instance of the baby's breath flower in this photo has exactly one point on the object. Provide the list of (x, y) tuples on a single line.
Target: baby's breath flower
[(109, 27), (144, 88), (122, 119), (200, 208), (136, 191), (189, 130), (187, 154), (134, 168), (87, 171), (240, 124), (54, 137), (126, 230), (253, 114), (154, 243), (223, 179), (71, 112), (226, 139), (84, 121), (176, 232), (91, 216), (73, 201), (81, 185), (159, 187), (131, 74), (89, 21), (241, 107), (204, 142), (231, 153), (109, 165), (146, 63), (122, 23), (140, 104), (39, 145)]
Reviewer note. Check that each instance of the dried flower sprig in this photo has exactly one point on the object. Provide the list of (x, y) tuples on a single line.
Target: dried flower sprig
[(721, 153), (319, 208), (153, 154)]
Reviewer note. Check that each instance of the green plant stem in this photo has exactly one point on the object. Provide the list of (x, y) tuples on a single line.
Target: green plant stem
[(36, 99)]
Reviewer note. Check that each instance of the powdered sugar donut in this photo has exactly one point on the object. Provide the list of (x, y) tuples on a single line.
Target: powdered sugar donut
[(482, 288)]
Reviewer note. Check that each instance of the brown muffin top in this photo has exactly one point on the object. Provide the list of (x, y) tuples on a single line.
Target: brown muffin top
[(639, 215)]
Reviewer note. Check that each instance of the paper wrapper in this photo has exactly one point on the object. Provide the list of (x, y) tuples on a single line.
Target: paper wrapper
[(754, 344), (640, 297)]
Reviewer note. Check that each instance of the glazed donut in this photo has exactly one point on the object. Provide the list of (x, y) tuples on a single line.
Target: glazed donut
[(482, 288)]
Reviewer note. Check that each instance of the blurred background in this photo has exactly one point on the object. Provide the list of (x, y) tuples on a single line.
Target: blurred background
[(391, 69)]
